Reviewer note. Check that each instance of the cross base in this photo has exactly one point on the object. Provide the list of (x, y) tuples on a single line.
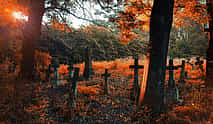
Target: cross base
[(172, 95)]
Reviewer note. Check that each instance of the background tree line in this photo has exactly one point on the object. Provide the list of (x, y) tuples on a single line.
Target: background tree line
[(106, 45)]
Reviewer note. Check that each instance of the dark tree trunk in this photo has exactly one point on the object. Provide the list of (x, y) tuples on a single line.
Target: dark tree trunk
[(209, 63), (160, 26), (32, 34)]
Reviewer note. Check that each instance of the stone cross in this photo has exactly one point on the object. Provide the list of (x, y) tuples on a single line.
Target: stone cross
[(73, 93), (172, 91), (88, 71), (106, 87), (136, 68), (199, 63), (171, 68)]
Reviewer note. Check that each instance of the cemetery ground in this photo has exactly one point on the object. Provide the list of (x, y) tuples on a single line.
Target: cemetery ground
[(44, 102)]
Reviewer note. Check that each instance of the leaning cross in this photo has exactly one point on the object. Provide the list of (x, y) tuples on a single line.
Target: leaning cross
[(136, 68), (199, 63), (106, 75)]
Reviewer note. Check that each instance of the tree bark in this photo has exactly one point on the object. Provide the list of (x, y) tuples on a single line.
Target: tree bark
[(209, 62), (160, 26), (32, 34)]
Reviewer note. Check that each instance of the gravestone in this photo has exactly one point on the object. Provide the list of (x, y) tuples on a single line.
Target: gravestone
[(106, 86), (73, 93), (136, 68), (88, 70), (172, 90), (199, 63)]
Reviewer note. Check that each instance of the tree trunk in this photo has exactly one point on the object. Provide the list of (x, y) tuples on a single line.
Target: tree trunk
[(209, 63), (160, 26), (32, 34)]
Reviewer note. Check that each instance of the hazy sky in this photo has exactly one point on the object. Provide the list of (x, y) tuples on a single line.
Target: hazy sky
[(88, 13)]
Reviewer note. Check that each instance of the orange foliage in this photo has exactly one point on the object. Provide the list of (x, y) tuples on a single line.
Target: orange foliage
[(60, 26), (137, 15), (42, 62), (91, 29), (91, 90), (63, 70)]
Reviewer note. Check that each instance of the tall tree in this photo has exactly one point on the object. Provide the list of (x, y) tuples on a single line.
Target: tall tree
[(209, 64), (160, 26), (32, 34)]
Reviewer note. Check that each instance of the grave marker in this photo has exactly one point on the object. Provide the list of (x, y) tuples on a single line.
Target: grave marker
[(199, 63), (136, 68), (172, 90), (106, 86)]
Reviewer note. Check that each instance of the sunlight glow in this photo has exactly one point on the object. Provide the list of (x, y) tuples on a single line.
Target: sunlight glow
[(20, 16), (144, 81)]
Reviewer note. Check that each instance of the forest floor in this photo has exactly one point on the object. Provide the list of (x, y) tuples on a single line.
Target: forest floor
[(39, 103)]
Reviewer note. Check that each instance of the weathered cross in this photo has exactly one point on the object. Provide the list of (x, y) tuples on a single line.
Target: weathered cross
[(172, 91), (171, 68), (199, 63), (106, 75), (136, 68)]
